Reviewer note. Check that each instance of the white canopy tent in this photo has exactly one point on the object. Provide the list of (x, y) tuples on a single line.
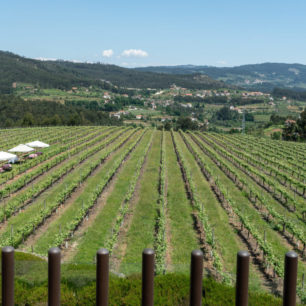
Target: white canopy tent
[(4, 156), (21, 149), (37, 144)]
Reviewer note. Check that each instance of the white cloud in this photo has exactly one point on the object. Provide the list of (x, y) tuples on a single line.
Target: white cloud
[(132, 65), (134, 53), (108, 53), (46, 59), (221, 62)]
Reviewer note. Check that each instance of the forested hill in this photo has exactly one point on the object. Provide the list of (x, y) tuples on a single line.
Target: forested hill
[(16, 112), (64, 74), (264, 76)]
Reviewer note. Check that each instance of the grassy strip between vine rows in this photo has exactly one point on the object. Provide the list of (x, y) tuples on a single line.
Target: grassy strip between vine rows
[(275, 150), (209, 237), (160, 244), (79, 145), (79, 215), (53, 150), (283, 197), (15, 237), (281, 222), (20, 200), (267, 169), (262, 154), (270, 258), (100, 229), (75, 206), (110, 242), (140, 232)]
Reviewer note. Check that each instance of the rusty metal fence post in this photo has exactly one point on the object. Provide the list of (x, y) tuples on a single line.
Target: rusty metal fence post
[(147, 277), (8, 267), (102, 277), (291, 265), (242, 278), (196, 278), (54, 276)]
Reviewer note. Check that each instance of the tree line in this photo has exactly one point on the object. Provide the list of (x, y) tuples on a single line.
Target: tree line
[(114, 105), (235, 101), (15, 112), (289, 93), (64, 75), (295, 130)]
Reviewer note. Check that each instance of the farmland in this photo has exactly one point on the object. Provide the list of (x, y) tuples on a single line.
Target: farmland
[(127, 189)]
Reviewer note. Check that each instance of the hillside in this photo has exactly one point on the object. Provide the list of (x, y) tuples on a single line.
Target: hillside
[(64, 74), (264, 76), (126, 189), (15, 111)]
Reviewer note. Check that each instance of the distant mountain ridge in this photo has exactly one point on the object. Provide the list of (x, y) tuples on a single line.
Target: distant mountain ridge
[(264, 76), (65, 74)]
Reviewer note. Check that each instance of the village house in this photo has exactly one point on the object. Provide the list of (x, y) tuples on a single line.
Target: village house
[(290, 122), (106, 96)]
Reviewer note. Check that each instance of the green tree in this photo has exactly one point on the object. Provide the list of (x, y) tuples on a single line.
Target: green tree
[(302, 125), (28, 119), (8, 123), (249, 117), (290, 131), (56, 120), (276, 135), (225, 113), (185, 123), (74, 119), (167, 126)]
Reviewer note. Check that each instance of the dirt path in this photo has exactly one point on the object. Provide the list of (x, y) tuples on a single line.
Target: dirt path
[(53, 169), (286, 238), (31, 240), (68, 253), (267, 281), (120, 247), (168, 260), (198, 226), (60, 181)]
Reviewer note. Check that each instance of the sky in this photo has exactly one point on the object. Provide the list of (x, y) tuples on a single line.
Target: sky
[(139, 33)]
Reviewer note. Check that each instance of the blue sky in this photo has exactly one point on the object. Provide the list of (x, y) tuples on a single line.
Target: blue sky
[(143, 33)]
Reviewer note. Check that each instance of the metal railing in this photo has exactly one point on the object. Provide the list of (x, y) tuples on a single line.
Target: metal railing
[(102, 277)]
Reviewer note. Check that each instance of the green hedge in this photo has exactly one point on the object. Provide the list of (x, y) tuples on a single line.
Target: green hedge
[(78, 287), (170, 289)]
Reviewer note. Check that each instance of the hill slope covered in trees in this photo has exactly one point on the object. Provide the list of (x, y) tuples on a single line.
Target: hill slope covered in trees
[(65, 74), (264, 76)]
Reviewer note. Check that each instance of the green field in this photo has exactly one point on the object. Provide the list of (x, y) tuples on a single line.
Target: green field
[(128, 189)]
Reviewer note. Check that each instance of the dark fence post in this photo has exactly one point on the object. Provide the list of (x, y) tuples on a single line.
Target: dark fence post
[(147, 277), (196, 278), (102, 277), (242, 280), (8, 267), (54, 276), (291, 264)]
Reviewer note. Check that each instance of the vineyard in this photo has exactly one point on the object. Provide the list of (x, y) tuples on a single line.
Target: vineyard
[(127, 189)]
